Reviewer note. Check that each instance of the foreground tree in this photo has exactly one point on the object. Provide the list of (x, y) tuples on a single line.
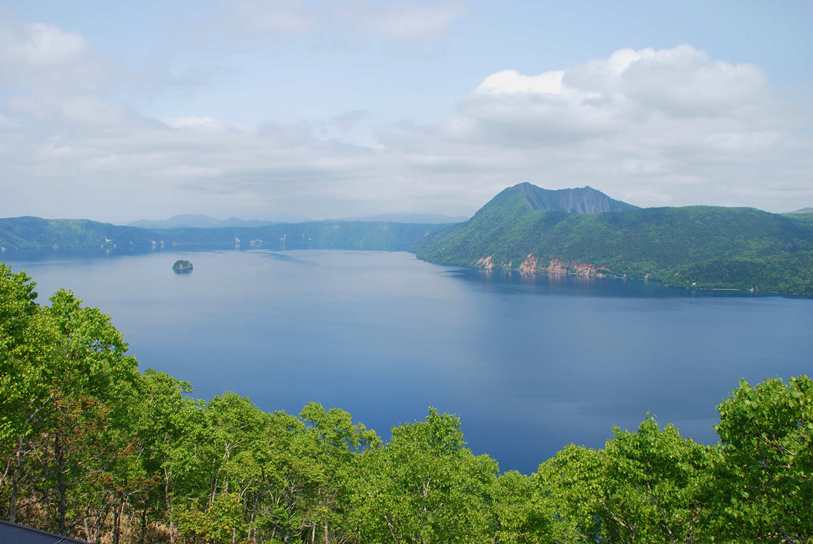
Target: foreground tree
[(764, 480), (518, 511), (655, 486), (23, 396), (424, 486), (570, 486)]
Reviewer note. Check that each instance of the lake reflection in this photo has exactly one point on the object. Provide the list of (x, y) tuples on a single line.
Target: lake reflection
[(529, 365)]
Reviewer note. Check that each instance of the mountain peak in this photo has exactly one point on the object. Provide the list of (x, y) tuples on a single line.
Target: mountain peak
[(582, 200)]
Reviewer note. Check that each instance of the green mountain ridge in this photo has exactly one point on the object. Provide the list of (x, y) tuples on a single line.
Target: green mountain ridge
[(704, 247), (805, 214), (26, 235)]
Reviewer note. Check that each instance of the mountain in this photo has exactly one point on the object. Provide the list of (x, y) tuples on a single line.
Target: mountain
[(424, 218), (586, 233), (208, 222), (33, 234), (583, 200), (196, 221), (805, 214), (28, 236)]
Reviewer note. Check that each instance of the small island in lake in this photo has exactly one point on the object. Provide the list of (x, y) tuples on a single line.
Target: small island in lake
[(182, 267)]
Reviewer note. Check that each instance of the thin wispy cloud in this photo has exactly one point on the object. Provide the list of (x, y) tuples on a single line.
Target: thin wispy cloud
[(399, 21)]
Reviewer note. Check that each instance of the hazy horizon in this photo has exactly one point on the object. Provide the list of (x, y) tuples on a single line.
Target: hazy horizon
[(395, 216), (265, 109)]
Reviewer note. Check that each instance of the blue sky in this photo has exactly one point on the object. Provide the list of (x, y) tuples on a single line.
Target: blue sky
[(325, 109)]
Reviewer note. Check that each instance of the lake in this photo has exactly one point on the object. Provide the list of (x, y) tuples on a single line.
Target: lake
[(529, 366)]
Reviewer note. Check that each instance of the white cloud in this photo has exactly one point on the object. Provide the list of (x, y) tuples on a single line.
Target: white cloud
[(513, 82), (39, 44), (45, 59), (672, 126)]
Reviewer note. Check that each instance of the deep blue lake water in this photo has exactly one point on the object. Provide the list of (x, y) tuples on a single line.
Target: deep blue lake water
[(528, 365)]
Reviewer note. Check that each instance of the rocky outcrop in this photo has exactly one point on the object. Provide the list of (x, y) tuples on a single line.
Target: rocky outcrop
[(556, 268), (584, 270), (486, 263), (528, 266), (531, 265)]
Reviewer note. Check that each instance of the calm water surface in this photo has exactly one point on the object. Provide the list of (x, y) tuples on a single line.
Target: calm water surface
[(529, 366)]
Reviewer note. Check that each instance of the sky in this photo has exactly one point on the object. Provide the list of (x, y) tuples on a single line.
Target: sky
[(283, 109)]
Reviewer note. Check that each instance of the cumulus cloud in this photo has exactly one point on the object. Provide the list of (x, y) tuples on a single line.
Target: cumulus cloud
[(656, 127), (40, 44), (628, 90), (41, 55)]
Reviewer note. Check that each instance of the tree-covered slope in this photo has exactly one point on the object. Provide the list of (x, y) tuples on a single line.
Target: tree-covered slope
[(805, 214), (365, 235), (36, 234), (701, 246), (24, 235)]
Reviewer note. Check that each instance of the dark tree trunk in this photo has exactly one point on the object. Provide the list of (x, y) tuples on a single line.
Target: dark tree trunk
[(117, 523), (61, 487), (143, 538), (12, 501), (16, 476)]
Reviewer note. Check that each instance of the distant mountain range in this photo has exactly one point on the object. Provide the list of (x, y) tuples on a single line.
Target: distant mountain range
[(423, 218), (27, 236), (586, 233), (199, 221)]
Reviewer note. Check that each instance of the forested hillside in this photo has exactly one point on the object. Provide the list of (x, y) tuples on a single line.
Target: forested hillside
[(705, 247), (32, 234), (95, 448), (21, 236)]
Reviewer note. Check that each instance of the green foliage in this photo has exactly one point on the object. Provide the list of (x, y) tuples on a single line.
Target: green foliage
[(424, 486), (219, 522), (698, 246), (18, 310), (93, 448), (519, 511), (653, 486), (765, 479), (570, 486)]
